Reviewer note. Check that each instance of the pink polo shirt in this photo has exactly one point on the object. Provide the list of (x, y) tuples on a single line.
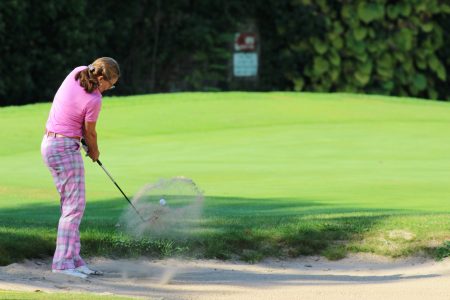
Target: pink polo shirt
[(72, 106)]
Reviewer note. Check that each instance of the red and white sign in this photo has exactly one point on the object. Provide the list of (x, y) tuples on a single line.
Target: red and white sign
[(245, 41)]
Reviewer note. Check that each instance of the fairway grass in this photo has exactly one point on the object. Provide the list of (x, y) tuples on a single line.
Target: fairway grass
[(284, 174), (10, 295)]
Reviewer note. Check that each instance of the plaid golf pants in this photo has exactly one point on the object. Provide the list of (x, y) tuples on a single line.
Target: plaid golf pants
[(63, 158)]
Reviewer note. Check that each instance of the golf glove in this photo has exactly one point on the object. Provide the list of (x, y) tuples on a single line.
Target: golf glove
[(85, 146)]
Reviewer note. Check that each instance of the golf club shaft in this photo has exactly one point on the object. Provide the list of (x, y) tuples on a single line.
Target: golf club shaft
[(112, 179)]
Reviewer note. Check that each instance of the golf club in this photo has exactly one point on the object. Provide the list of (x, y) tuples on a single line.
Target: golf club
[(112, 179)]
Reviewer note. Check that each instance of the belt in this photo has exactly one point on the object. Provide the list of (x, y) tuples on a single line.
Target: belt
[(57, 135)]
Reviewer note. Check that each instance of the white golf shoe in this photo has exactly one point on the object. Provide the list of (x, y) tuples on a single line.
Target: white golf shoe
[(87, 271), (71, 272)]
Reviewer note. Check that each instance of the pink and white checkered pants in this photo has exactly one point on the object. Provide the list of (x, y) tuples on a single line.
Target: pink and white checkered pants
[(63, 158)]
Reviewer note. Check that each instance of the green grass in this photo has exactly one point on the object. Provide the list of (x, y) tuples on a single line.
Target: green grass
[(10, 295), (285, 174)]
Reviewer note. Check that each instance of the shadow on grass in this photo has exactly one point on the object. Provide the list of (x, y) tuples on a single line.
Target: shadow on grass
[(231, 227), (18, 245)]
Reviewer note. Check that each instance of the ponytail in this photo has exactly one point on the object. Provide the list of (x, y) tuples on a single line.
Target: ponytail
[(104, 66), (87, 79)]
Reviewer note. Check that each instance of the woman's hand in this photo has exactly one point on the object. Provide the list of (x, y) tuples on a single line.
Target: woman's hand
[(94, 155)]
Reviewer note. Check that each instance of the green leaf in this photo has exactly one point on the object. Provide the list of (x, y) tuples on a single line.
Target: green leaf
[(299, 84), (404, 8), (338, 43), (334, 58), (301, 46), (420, 53), (408, 65), (445, 8), (433, 62), (385, 74), (386, 61), (308, 72), (388, 86), (320, 46), (436, 38), (403, 77), (404, 39), (392, 12), (420, 7), (435, 7), (360, 33), (420, 82), (399, 56), (421, 63), (372, 33), (365, 68), (432, 94), (376, 46), (441, 72), (321, 88), (347, 12), (334, 74), (337, 27), (361, 79), (413, 91), (357, 47), (362, 57), (323, 5), (320, 66), (427, 27), (350, 88), (353, 23), (368, 12)]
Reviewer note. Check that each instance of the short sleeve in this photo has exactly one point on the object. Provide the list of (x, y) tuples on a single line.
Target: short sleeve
[(93, 109)]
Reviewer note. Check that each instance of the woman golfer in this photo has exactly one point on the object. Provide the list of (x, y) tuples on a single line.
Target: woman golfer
[(73, 116)]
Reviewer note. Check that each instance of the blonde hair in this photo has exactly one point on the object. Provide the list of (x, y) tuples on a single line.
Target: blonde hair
[(103, 66)]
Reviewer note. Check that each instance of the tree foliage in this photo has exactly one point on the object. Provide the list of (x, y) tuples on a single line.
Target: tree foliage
[(387, 47), (382, 46)]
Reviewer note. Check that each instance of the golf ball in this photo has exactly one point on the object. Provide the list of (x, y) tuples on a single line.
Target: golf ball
[(162, 202)]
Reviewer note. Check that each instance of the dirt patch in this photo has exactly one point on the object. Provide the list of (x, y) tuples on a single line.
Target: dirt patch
[(401, 234)]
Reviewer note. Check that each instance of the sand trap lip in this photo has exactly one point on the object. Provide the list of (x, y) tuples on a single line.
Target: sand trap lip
[(356, 277)]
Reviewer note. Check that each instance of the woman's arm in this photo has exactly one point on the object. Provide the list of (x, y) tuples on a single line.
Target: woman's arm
[(90, 136)]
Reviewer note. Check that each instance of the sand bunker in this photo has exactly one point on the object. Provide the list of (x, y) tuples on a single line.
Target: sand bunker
[(356, 277)]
